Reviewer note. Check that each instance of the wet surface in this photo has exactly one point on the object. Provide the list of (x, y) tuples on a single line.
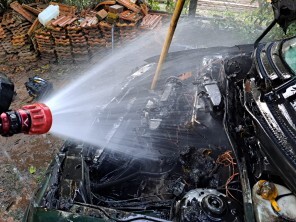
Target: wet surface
[(24, 159)]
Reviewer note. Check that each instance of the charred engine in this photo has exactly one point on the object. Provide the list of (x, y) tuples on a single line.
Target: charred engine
[(186, 179), (209, 145)]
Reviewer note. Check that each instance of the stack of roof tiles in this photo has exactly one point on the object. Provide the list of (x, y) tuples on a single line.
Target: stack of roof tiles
[(106, 29), (71, 37), (62, 41), (96, 44), (79, 43), (10, 21), (14, 39), (2, 51), (127, 31), (45, 44), (150, 22)]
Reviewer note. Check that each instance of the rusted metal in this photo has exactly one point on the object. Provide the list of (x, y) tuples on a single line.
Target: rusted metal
[(35, 11), (18, 8), (130, 5), (150, 21), (130, 16)]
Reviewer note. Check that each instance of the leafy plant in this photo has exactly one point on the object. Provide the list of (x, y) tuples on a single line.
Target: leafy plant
[(170, 5), (251, 24), (32, 169), (154, 4)]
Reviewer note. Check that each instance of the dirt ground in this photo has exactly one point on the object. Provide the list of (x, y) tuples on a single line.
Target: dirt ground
[(25, 158)]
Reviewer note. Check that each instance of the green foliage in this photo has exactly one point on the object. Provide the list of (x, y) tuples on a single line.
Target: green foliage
[(170, 6), (40, 175), (32, 169), (154, 4), (251, 24), (186, 7), (167, 5)]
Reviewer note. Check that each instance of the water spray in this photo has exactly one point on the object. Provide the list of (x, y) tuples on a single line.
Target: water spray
[(30, 119)]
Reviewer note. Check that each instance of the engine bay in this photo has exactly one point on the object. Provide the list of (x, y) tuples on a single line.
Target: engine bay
[(192, 152)]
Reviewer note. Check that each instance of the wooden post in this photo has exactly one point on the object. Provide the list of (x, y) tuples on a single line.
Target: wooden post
[(168, 40)]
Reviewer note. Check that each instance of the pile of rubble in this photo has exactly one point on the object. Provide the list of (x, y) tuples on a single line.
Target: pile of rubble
[(73, 36)]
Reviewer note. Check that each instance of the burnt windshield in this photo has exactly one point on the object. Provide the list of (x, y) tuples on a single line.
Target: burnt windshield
[(289, 53)]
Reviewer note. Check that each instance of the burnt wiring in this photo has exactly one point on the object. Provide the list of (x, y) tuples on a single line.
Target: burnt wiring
[(227, 160), (237, 190)]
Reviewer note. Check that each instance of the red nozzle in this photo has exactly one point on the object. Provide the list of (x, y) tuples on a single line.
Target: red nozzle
[(40, 116), (30, 119)]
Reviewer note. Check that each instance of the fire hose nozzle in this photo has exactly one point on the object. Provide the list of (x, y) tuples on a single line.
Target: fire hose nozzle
[(30, 119)]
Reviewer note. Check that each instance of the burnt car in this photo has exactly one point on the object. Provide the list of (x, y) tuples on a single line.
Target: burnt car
[(214, 142)]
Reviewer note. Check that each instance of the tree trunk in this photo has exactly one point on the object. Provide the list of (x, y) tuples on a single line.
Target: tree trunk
[(192, 8)]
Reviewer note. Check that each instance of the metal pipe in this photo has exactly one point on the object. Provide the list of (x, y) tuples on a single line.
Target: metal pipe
[(112, 37), (168, 40)]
